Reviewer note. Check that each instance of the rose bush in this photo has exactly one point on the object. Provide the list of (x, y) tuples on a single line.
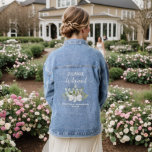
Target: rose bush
[(129, 61), (140, 76), (129, 122), (24, 114), (116, 94)]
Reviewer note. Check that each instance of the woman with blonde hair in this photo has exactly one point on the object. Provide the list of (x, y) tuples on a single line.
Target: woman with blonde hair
[(75, 86)]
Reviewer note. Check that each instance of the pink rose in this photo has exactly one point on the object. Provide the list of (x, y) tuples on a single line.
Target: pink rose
[(18, 112), (3, 128), (131, 122), (140, 128), (149, 128), (19, 97), (16, 128), (13, 96)]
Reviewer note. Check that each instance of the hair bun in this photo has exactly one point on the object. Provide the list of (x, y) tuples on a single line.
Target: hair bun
[(73, 20)]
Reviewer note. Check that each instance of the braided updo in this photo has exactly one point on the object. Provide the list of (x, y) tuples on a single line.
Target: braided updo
[(73, 20)]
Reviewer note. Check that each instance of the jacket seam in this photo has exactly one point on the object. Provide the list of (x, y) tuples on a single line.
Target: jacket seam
[(72, 66)]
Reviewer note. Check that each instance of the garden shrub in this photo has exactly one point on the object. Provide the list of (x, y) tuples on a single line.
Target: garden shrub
[(7, 144), (90, 43), (54, 42), (24, 114), (45, 44), (123, 37), (135, 45), (107, 44), (122, 42), (4, 89), (14, 89), (129, 122), (148, 95), (129, 61), (28, 52), (1, 75), (140, 76), (116, 94), (115, 73), (39, 73), (37, 50), (22, 39), (25, 70)]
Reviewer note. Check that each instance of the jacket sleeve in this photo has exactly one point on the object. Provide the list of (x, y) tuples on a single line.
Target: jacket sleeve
[(48, 83), (104, 82)]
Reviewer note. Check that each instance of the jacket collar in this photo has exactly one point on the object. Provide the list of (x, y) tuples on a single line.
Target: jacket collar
[(75, 41)]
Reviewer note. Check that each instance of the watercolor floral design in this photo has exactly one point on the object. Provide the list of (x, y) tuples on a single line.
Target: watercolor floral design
[(74, 94)]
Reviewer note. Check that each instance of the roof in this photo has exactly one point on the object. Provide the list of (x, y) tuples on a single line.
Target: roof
[(114, 3), (28, 2), (2, 8), (5, 6)]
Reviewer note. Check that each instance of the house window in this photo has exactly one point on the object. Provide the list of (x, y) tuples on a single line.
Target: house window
[(66, 3), (104, 29), (47, 31), (109, 29), (114, 30), (97, 31), (59, 29), (135, 34), (91, 30), (147, 34), (41, 30)]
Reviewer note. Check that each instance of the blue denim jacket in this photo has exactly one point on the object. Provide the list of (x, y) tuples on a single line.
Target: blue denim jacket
[(76, 82)]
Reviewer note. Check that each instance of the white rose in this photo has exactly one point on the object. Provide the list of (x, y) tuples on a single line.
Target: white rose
[(118, 136), (110, 130), (145, 124), (149, 123), (70, 97), (2, 142), (131, 128), (2, 122), (28, 129), (121, 133), (12, 143), (1, 102), (8, 137), (37, 113), (138, 138), (23, 128), (112, 122), (41, 136), (79, 98), (7, 126), (126, 130), (126, 138)]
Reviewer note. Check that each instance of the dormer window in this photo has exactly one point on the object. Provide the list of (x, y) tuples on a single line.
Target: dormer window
[(66, 3)]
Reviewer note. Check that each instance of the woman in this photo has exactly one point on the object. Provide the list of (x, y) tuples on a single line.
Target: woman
[(100, 46), (75, 86)]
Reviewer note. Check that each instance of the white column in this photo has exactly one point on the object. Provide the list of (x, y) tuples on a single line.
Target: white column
[(101, 30), (93, 33), (107, 30), (112, 31), (57, 30), (44, 31)]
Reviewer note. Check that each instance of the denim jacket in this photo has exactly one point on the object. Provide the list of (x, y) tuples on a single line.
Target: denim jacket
[(76, 82)]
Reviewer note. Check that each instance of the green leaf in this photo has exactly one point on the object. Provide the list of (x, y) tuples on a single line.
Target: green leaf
[(39, 126), (113, 139)]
